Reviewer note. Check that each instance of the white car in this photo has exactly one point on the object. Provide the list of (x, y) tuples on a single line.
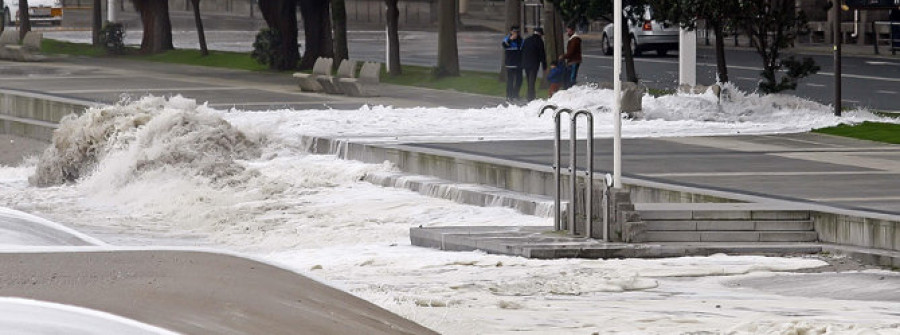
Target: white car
[(40, 11), (646, 34)]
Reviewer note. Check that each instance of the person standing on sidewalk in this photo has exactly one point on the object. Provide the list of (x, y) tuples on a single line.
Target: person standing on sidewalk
[(512, 46), (533, 57), (572, 56)]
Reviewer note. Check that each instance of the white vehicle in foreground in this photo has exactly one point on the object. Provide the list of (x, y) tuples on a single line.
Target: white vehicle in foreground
[(646, 34), (39, 11)]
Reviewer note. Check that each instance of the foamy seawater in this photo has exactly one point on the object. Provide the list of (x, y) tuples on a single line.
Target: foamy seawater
[(158, 169)]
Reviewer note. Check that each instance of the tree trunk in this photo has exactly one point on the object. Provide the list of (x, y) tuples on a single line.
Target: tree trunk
[(448, 53), (513, 18), (96, 22), (201, 35), (156, 24), (281, 15), (317, 28), (24, 19), (3, 22), (630, 74), (721, 67), (553, 32), (339, 21), (393, 18)]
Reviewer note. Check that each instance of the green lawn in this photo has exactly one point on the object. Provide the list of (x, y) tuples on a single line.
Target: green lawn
[(873, 131), (486, 83), (223, 59)]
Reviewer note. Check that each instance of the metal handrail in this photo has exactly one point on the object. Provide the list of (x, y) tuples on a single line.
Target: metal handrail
[(573, 168), (589, 185)]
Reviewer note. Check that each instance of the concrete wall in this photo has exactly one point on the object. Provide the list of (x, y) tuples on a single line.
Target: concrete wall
[(34, 115)]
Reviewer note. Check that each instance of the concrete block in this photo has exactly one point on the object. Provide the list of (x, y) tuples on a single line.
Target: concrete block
[(725, 225), (671, 225), (861, 233), (780, 215), (666, 215), (721, 215), (671, 236), (883, 234), (784, 225), (634, 232), (729, 236), (788, 236)]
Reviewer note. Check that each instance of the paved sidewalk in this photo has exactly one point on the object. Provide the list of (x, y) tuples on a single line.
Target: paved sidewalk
[(107, 80)]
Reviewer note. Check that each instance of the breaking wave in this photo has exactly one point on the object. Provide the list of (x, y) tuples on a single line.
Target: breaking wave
[(128, 139)]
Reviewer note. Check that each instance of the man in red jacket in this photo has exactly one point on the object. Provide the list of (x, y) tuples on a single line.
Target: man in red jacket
[(572, 56)]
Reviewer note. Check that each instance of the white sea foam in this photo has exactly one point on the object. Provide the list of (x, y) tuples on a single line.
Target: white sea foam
[(312, 214), (672, 115)]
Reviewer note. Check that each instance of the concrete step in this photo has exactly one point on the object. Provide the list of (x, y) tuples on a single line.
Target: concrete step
[(730, 236), (729, 225), (720, 211), (471, 194), (543, 243)]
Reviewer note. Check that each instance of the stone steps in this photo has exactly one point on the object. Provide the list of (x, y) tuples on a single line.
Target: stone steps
[(470, 194), (729, 222)]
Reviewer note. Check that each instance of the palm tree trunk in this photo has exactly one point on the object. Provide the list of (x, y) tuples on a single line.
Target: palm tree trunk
[(721, 67), (201, 35), (448, 53), (24, 19), (339, 21), (393, 18), (157, 27), (96, 22)]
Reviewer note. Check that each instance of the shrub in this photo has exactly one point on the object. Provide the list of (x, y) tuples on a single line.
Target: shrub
[(266, 48), (112, 37)]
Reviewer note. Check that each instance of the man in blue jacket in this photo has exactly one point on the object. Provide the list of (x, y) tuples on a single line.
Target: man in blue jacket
[(512, 46)]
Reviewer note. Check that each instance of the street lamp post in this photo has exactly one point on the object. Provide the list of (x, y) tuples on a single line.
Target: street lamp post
[(617, 89), (837, 58)]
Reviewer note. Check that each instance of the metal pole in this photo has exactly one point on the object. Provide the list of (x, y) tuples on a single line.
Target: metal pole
[(687, 57), (617, 87), (837, 59), (111, 11), (557, 220), (573, 171), (589, 182)]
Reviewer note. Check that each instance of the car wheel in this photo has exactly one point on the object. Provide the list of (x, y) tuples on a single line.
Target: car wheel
[(662, 51), (607, 48), (635, 51)]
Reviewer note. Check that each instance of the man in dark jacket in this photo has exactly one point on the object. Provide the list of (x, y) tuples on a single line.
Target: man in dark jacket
[(533, 56), (512, 46)]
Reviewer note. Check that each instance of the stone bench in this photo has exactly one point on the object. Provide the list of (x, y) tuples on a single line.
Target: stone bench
[(308, 81), (331, 84), (28, 51), (367, 83)]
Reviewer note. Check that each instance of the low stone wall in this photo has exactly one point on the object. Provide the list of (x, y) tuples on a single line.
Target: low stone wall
[(34, 115)]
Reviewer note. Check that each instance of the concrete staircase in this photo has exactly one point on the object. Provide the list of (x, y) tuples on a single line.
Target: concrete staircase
[(725, 222)]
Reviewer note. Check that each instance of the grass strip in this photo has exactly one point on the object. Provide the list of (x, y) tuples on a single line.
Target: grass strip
[(485, 83), (872, 131)]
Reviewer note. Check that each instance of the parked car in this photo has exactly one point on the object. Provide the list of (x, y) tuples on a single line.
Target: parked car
[(39, 11), (646, 34)]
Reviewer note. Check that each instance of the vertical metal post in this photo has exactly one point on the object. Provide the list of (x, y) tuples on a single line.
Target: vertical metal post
[(837, 58), (573, 171), (589, 181), (557, 221)]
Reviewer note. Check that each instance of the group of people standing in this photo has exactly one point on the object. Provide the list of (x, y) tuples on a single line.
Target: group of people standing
[(529, 55)]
